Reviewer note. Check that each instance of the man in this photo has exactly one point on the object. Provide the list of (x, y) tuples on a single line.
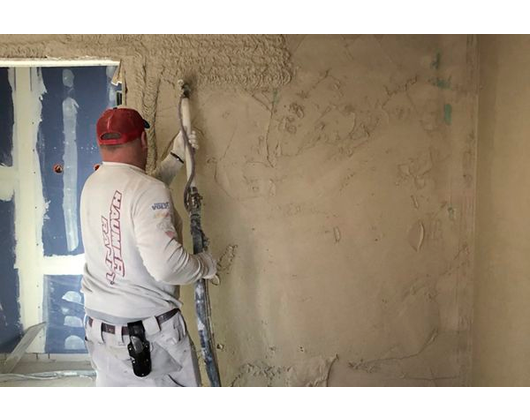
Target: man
[(135, 333)]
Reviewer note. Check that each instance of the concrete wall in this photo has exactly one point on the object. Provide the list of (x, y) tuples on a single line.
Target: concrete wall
[(338, 176), (502, 310)]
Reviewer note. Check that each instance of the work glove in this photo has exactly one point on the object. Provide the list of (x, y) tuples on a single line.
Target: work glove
[(179, 147)]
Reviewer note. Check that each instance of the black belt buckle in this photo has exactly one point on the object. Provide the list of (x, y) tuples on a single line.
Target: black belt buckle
[(139, 349)]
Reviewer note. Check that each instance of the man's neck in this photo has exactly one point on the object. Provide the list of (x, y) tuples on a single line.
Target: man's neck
[(133, 162)]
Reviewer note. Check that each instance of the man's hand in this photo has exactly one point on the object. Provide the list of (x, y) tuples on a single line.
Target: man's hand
[(179, 146), (210, 263)]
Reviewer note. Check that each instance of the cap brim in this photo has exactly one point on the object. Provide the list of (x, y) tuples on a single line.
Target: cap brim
[(146, 124)]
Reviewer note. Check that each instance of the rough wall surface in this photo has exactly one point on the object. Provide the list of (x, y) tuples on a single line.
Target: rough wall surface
[(254, 62), (500, 355), (339, 182)]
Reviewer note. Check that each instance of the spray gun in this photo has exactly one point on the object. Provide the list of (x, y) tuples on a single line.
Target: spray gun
[(193, 202)]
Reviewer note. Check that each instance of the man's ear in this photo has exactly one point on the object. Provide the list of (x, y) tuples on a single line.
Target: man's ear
[(143, 140)]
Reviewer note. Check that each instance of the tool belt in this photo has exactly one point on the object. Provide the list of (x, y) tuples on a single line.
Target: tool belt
[(111, 329), (138, 347)]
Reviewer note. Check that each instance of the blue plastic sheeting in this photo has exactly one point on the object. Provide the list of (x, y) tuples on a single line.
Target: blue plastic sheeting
[(92, 92), (10, 328), (64, 314), (6, 120)]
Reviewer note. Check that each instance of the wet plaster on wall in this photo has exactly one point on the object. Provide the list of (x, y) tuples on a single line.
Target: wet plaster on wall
[(327, 176), (337, 197), (313, 372)]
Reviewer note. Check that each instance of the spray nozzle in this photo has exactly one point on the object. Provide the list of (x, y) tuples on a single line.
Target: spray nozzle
[(185, 88)]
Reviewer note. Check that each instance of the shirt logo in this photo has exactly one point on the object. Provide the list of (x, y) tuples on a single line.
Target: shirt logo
[(160, 206), (111, 230)]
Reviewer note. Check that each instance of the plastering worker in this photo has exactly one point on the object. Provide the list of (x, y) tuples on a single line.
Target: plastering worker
[(135, 262)]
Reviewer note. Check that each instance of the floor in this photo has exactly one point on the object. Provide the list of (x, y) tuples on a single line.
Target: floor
[(50, 373)]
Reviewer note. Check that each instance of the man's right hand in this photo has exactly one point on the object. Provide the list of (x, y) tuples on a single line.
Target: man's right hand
[(210, 264), (179, 147)]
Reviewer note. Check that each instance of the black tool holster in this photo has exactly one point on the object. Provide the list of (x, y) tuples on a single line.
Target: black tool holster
[(139, 349)]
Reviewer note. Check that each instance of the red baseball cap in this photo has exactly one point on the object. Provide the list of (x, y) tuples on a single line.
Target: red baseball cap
[(119, 126)]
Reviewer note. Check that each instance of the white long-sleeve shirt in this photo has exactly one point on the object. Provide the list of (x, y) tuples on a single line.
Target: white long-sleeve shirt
[(134, 257)]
